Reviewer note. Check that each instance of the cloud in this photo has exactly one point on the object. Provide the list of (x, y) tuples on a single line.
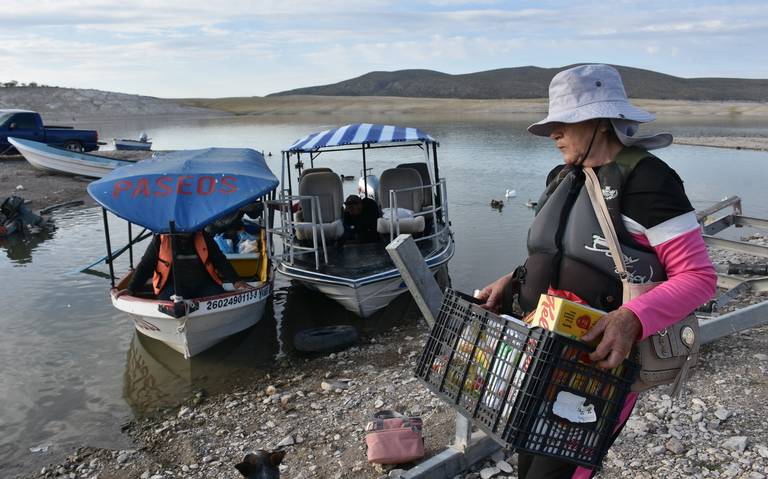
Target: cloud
[(259, 46)]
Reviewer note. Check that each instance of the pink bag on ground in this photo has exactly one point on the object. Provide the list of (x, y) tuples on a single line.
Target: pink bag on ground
[(393, 438)]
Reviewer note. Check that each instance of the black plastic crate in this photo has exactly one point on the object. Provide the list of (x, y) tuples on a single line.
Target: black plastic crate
[(529, 388)]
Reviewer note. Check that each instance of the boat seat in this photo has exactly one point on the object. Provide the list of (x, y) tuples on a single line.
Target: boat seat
[(326, 185), (425, 180), (396, 179), (314, 170)]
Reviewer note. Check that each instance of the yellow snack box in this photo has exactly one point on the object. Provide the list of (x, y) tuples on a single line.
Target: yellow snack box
[(563, 316)]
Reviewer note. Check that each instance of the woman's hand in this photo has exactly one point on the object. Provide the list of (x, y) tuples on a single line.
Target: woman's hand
[(492, 295), (620, 329), (240, 285)]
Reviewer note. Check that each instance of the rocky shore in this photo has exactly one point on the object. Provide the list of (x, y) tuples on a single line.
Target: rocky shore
[(316, 408)]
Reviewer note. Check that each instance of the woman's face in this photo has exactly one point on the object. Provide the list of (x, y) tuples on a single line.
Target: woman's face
[(572, 139)]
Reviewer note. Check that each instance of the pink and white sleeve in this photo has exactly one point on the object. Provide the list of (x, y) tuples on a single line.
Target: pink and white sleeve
[(691, 278)]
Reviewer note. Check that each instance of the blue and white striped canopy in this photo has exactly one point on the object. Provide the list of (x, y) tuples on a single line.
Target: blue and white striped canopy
[(357, 134)]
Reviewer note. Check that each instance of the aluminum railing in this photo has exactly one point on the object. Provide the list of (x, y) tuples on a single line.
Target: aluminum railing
[(437, 212), (287, 229)]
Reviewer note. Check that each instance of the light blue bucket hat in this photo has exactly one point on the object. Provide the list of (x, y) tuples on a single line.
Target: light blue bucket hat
[(596, 91)]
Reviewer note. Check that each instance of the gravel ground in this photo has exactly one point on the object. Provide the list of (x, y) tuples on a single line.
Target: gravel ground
[(316, 410)]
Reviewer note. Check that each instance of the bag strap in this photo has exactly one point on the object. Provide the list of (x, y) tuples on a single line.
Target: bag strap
[(609, 231)]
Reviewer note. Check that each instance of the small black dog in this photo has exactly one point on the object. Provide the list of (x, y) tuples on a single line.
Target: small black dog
[(261, 465)]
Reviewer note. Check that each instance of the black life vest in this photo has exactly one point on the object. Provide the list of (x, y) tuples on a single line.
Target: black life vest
[(567, 249)]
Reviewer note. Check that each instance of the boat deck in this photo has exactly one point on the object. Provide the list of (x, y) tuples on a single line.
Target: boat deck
[(359, 260)]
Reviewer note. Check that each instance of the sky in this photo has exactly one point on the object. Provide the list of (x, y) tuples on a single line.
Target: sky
[(210, 48)]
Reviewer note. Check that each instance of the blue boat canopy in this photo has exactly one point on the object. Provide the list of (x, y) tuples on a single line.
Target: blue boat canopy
[(191, 188), (358, 134)]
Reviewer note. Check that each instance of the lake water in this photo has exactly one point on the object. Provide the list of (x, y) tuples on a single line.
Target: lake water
[(74, 370)]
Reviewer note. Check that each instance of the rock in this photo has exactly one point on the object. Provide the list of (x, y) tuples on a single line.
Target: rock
[(504, 466), (144, 475), (123, 458), (19, 187), (287, 441), (658, 450), (207, 459), (396, 473), (760, 356), (379, 403), (736, 443), (755, 475), (675, 445), (184, 411), (699, 402), (722, 414), (334, 385), (271, 390), (489, 472), (762, 450)]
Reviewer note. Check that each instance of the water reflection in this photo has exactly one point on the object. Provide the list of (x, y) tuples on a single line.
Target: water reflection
[(19, 246), (156, 376)]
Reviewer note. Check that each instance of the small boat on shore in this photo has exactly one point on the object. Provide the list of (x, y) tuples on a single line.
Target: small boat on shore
[(60, 160), (142, 143), (182, 192)]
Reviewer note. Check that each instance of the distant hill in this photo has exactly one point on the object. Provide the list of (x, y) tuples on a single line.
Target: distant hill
[(533, 82), (74, 104)]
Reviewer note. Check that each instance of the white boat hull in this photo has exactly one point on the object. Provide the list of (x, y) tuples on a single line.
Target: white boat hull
[(47, 158), (363, 300), (214, 319)]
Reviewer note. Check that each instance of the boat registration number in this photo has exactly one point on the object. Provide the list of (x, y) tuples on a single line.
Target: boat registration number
[(245, 297)]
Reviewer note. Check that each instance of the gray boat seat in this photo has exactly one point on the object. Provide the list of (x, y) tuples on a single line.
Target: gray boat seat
[(319, 169), (425, 180), (396, 179), (326, 185)]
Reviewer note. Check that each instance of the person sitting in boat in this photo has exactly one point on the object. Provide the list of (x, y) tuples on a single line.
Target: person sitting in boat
[(201, 267), (360, 217)]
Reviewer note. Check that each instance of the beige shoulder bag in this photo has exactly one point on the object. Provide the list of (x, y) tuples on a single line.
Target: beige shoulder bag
[(665, 357)]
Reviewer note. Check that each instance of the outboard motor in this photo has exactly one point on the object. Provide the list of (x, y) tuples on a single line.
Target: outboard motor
[(143, 136)]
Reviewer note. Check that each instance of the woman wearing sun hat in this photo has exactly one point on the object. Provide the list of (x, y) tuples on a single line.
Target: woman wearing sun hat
[(593, 124)]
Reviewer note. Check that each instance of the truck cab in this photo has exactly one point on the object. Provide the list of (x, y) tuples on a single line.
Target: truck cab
[(28, 125)]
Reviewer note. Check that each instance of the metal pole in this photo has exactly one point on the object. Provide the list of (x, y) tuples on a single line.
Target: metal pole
[(130, 245), (109, 248), (365, 175), (172, 228), (437, 199)]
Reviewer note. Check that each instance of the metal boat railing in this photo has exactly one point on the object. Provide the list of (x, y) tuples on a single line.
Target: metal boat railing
[(287, 229), (292, 247), (438, 211)]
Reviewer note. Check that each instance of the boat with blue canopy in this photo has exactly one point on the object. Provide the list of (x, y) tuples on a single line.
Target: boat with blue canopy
[(183, 192), (320, 246)]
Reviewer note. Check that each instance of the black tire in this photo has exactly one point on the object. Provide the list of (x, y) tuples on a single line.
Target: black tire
[(73, 145), (329, 339)]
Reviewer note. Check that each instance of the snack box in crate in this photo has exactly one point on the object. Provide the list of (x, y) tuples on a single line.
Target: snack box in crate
[(563, 316), (527, 387)]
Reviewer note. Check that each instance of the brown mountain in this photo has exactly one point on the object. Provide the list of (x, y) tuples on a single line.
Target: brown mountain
[(532, 82)]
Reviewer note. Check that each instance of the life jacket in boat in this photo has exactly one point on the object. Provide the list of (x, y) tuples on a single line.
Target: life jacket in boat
[(165, 259), (566, 246)]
